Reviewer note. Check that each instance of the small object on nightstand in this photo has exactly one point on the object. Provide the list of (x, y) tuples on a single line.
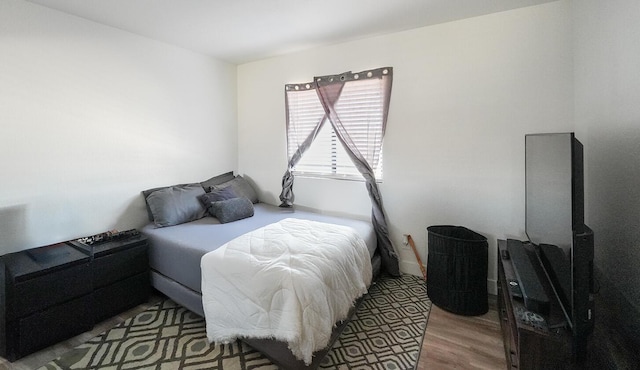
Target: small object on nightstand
[(109, 236)]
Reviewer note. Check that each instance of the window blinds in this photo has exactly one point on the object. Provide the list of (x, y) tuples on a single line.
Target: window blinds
[(360, 107)]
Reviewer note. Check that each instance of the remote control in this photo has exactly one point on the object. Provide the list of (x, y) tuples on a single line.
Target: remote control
[(514, 287)]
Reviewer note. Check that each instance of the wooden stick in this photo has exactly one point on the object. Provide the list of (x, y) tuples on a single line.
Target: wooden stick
[(415, 251)]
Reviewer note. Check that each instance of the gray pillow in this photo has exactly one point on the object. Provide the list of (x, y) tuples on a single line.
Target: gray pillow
[(215, 196), (176, 205), (217, 180), (231, 209), (240, 186), (146, 193)]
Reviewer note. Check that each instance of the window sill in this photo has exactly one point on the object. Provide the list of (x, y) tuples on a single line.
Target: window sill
[(308, 175)]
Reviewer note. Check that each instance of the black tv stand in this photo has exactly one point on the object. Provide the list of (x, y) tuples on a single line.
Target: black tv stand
[(532, 340)]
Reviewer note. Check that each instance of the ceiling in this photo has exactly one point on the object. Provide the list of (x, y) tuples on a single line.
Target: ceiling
[(240, 31)]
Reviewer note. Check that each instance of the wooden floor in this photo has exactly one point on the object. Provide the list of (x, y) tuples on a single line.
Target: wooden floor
[(450, 342), (463, 342)]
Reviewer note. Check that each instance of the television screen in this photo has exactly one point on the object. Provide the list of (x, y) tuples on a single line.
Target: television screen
[(554, 196), (548, 174)]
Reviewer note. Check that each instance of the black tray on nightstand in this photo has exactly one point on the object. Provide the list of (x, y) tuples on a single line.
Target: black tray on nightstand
[(108, 246)]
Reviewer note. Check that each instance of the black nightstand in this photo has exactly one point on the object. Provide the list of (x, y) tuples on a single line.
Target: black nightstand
[(53, 293), (120, 274), (47, 297)]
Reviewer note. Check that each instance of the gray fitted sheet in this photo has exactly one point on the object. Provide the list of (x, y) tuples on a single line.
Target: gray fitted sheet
[(175, 251)]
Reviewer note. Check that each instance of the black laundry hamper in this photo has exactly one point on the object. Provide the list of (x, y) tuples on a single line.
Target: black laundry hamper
[(457, 270)]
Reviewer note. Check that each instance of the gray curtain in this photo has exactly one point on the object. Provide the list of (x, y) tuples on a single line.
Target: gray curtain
[(286, 196), (329, 89)]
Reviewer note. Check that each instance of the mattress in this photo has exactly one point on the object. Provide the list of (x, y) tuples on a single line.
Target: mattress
[(175, 251)]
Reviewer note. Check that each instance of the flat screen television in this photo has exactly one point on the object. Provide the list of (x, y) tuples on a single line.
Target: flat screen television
[(554, 182)]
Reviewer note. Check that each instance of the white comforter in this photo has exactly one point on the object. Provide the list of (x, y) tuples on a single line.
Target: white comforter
[(290, 281)]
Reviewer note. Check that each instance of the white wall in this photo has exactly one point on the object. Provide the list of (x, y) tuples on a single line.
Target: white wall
[(90, 116), (464, 95), (607, 114)]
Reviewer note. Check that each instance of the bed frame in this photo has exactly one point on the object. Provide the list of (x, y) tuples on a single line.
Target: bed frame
[(277, 351)]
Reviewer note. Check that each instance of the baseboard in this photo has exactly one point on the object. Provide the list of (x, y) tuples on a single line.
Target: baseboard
[(492, 286), (411, 268)]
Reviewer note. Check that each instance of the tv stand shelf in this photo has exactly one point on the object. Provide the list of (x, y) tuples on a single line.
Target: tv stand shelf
[(546, 346)]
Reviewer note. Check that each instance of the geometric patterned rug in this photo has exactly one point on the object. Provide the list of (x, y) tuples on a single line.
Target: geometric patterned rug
[(386, 333)]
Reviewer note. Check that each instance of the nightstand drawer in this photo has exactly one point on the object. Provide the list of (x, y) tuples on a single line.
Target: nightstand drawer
[(42, 329), (33, 295), (114, 267), (116, 298)]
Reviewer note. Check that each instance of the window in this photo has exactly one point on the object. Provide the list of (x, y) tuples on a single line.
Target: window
[(355, 105), (360, 108)]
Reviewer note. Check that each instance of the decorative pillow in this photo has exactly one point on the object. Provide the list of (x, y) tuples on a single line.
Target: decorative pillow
[(240, 186), (176, 205), (231, 209), (217, 180), (216, 195), (146, 193)]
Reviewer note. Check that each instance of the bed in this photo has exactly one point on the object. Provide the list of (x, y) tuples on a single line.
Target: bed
[(176, 253)]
